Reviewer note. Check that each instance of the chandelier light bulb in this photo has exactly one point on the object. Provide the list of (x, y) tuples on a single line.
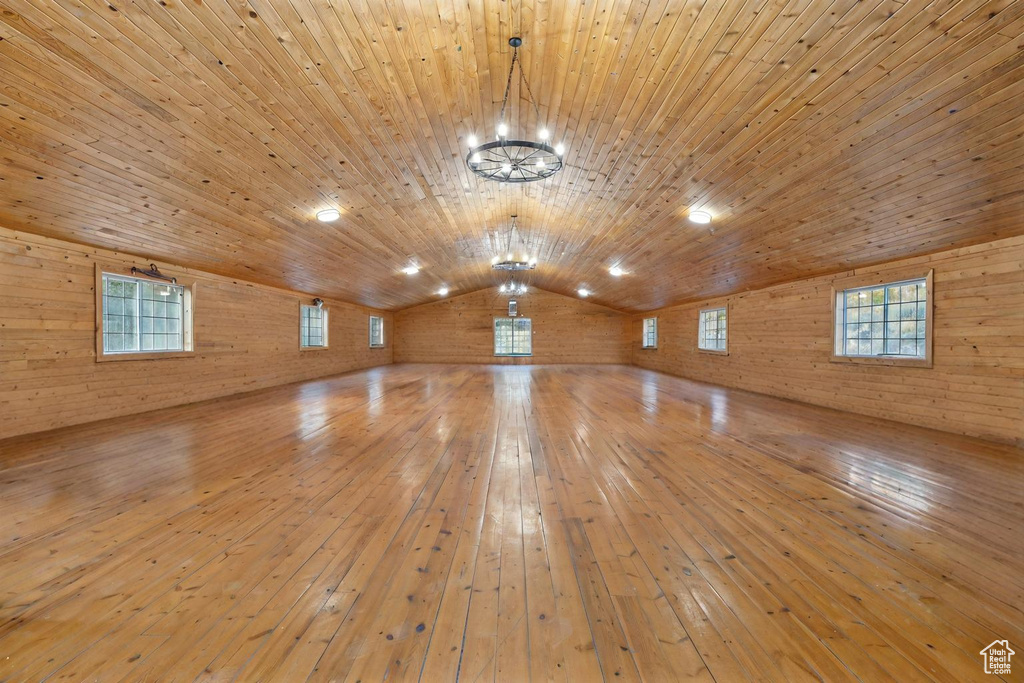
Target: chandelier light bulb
[(560, 149), (328, 215), (513, 157), (502, 289), (495, 260), (700, 217)]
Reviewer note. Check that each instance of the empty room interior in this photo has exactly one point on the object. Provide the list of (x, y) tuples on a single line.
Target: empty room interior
[(511, 340)]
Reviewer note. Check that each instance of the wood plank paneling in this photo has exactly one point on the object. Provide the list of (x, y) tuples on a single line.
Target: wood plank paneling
[(482, 523), (781, 339), (461, 330), (822, 135), (246, 337)]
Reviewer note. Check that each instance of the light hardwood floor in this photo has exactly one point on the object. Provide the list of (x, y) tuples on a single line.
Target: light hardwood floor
[(506, 523)]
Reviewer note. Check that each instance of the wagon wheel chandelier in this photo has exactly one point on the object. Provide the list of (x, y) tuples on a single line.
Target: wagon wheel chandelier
[(513, 160), (511, 265)]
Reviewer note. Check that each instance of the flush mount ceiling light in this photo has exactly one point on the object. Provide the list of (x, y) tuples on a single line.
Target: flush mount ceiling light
[(515, 160), (583, 292), (411, 270), (443, 291), (615, 271), (328, 215), (701, 217)]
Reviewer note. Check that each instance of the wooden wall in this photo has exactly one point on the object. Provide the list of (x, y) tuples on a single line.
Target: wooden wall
[(781, 337), (460, 330), (246, 337)]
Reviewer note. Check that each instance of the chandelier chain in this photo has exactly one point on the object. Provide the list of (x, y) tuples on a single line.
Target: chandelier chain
[(508, 84), (529, 93)]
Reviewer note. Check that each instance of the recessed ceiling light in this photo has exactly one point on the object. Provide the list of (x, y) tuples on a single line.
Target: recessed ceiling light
[(583, 292), (328, 215), (700, 217), (443, 291), (616, 271), (410, 270)]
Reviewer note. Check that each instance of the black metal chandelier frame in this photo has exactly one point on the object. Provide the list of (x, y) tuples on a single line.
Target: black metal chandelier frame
[(512, 265), (514, 161)]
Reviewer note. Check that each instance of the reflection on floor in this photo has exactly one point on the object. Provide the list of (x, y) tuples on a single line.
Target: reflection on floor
[(442, 522)]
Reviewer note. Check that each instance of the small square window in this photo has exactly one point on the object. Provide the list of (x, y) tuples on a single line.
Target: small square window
[(713, 330), (376, 332), (513, 337), (650, 334), (312, 327), (883, 322), (139, 316)]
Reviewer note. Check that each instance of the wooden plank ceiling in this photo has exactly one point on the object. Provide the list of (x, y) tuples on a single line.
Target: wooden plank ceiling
[(821, 135)]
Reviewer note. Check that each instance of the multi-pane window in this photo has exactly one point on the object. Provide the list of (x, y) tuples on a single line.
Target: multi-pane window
[(650, 338), (313, 327), (376, 331), (883, 320), (711, 335), (513, 337), (144, 316)]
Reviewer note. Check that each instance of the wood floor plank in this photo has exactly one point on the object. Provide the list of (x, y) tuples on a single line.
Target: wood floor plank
[(512, 523)]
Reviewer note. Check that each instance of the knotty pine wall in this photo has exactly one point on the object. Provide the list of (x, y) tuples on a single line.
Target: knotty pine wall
[(781, 338), (460, 329), (246, 337)]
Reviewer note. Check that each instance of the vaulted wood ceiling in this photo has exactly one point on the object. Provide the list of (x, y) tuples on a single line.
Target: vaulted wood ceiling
[(821, 135)]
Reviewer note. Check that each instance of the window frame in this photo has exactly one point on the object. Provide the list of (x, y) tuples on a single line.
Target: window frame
[(187, 316), (643, 333), (700, 316), (513, 320), (326, 328), (887, 279), (382, 343)]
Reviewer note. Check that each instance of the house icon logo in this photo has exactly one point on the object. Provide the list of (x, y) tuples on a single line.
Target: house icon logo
[(997, 657)]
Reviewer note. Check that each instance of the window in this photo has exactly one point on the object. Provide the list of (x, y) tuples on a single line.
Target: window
[(141, 316), (650, 338), (711, 335), (884, 321), (513, 337), (376, 332), (312, 327)]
